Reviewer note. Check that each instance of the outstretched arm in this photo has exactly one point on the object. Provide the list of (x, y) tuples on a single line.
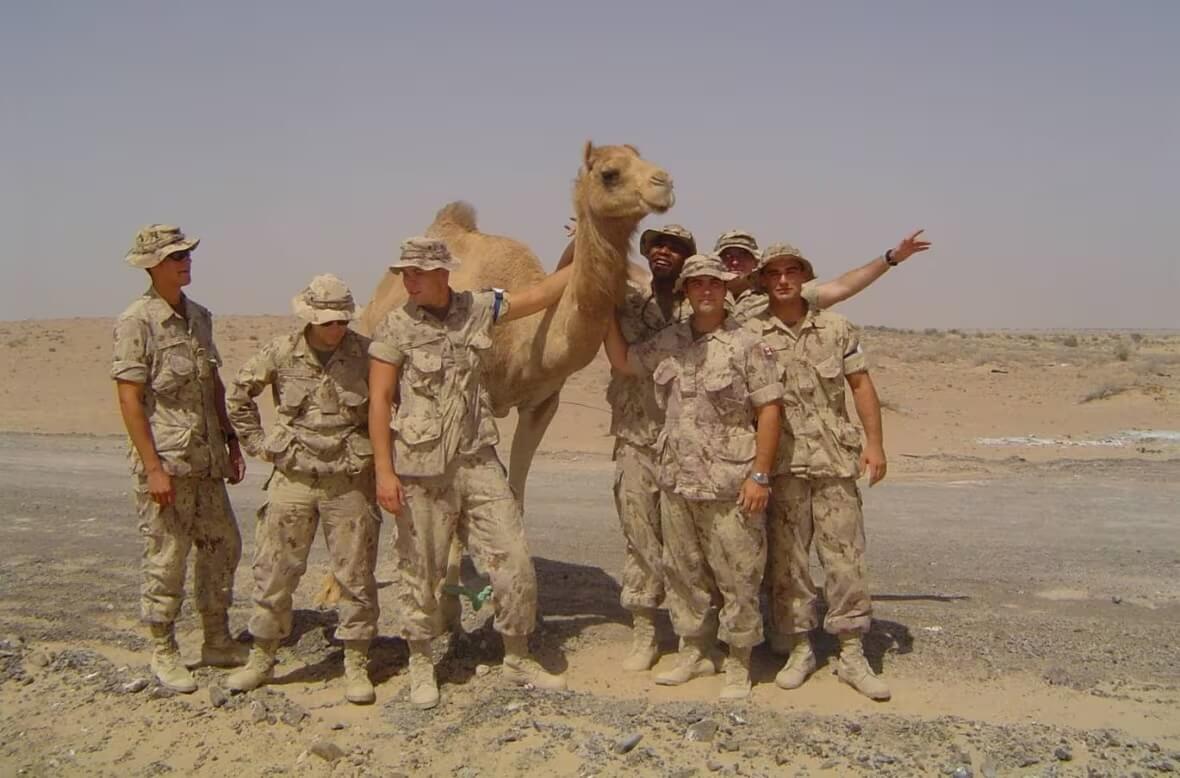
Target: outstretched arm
[(857, 280), (539, 297), (868, 409)]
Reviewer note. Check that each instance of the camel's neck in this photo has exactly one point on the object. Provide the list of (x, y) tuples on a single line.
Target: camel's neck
[(595, 287)]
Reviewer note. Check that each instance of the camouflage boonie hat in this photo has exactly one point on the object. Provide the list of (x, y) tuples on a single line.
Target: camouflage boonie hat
[(781, 250), (674, 231), (737, 239), (155, 242), (325, 299), (703, 265), (425, 254)]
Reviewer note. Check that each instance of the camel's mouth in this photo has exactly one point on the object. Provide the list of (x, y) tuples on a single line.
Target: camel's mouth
[(661, 202)]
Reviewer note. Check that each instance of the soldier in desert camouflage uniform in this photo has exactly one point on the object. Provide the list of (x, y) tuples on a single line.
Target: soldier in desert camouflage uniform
[(719, 391), (437, 469), (814, 490), (323, 460), (182, 450), (635, 423)]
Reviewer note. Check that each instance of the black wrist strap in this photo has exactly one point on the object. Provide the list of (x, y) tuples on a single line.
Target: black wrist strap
[(889, 258)]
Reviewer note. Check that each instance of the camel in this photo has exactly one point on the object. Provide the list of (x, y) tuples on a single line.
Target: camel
[(531, 358)]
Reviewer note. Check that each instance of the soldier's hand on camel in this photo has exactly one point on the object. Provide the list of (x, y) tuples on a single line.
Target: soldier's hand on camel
[(909, 246), (571, 227), (159, 485)]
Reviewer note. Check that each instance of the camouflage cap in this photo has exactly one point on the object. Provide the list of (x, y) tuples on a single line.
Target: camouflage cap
[(783, 250), (703, 265), (155, 242), (674, 231), (325, 299), (425, 254), (737, 239)]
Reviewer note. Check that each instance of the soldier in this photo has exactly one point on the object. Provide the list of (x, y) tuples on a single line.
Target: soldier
[(437, 469), (323, 472), (182, 450), (635, 423), (738, 251), (814, 490), (718, 388)]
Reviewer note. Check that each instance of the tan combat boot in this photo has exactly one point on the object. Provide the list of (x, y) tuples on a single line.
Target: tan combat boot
[(219, 649), (423, 686), (520, 667), (800, 663), (853, 669), (644, 650), (692, 661), (358, 689), (737, 674), (167, 665), (259, 669)]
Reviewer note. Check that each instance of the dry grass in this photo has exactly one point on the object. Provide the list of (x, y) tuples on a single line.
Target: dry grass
[(1104, 391)]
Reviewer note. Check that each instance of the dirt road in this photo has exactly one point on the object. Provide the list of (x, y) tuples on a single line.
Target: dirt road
[(1027, 619)]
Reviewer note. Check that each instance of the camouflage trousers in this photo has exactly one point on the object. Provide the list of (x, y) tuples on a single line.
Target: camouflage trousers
[(473, 501), (828, 510), (296, 504), (201, 516), (713, 551), (637, 500)]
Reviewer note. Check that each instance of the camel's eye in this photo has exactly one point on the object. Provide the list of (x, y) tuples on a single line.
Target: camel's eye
[(610, 177)]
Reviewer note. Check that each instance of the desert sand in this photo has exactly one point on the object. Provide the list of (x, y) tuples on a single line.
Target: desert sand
[(1025, 554)]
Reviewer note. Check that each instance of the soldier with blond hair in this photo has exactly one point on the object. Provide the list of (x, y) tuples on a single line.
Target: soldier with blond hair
[(434, 440), (182, 451), (323, 475)]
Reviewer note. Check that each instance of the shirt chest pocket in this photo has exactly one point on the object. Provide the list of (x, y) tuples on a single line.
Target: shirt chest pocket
[(424, 369), (293, 388), (727, 394), (175, 366), (477, 349)]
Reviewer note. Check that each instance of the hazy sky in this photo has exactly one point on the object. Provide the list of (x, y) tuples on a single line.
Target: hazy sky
[(1038, 143)]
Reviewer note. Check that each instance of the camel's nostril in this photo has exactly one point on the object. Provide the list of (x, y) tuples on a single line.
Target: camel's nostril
[(661, 179)]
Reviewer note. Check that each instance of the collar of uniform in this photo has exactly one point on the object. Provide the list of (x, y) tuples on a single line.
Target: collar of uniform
[(302, 349), (160, 309), (772, 322), (724, 333), (459, 305)]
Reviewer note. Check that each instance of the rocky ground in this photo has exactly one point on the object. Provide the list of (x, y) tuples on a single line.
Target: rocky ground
[(1028, 618)]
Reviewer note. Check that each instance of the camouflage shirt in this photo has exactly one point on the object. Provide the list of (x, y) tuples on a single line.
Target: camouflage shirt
[(635, 416), (753, 302), (443, 407), (819, 440), (174, 357), (322, 410), (709, 388)]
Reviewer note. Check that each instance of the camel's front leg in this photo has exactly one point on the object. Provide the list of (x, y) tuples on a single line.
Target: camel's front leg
[(531, 424)]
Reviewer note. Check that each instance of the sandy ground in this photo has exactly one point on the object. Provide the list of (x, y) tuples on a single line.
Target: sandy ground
[(1027, 594)]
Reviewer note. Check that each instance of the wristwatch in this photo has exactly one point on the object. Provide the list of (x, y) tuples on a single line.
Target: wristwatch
[(762, 479), (889, 258)]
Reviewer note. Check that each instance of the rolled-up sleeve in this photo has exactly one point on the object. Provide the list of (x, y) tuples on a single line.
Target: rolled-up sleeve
[(855, 358), (385, 346), (762, 376), (130, 361)]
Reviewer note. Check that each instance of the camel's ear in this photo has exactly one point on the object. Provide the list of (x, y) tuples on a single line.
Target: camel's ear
[(629, 146), (587, 154)]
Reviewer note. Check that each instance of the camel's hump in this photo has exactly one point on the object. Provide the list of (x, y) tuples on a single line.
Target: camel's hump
[(452, 218)]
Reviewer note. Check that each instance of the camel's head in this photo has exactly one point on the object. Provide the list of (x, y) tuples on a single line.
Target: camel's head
[(616, 183)]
